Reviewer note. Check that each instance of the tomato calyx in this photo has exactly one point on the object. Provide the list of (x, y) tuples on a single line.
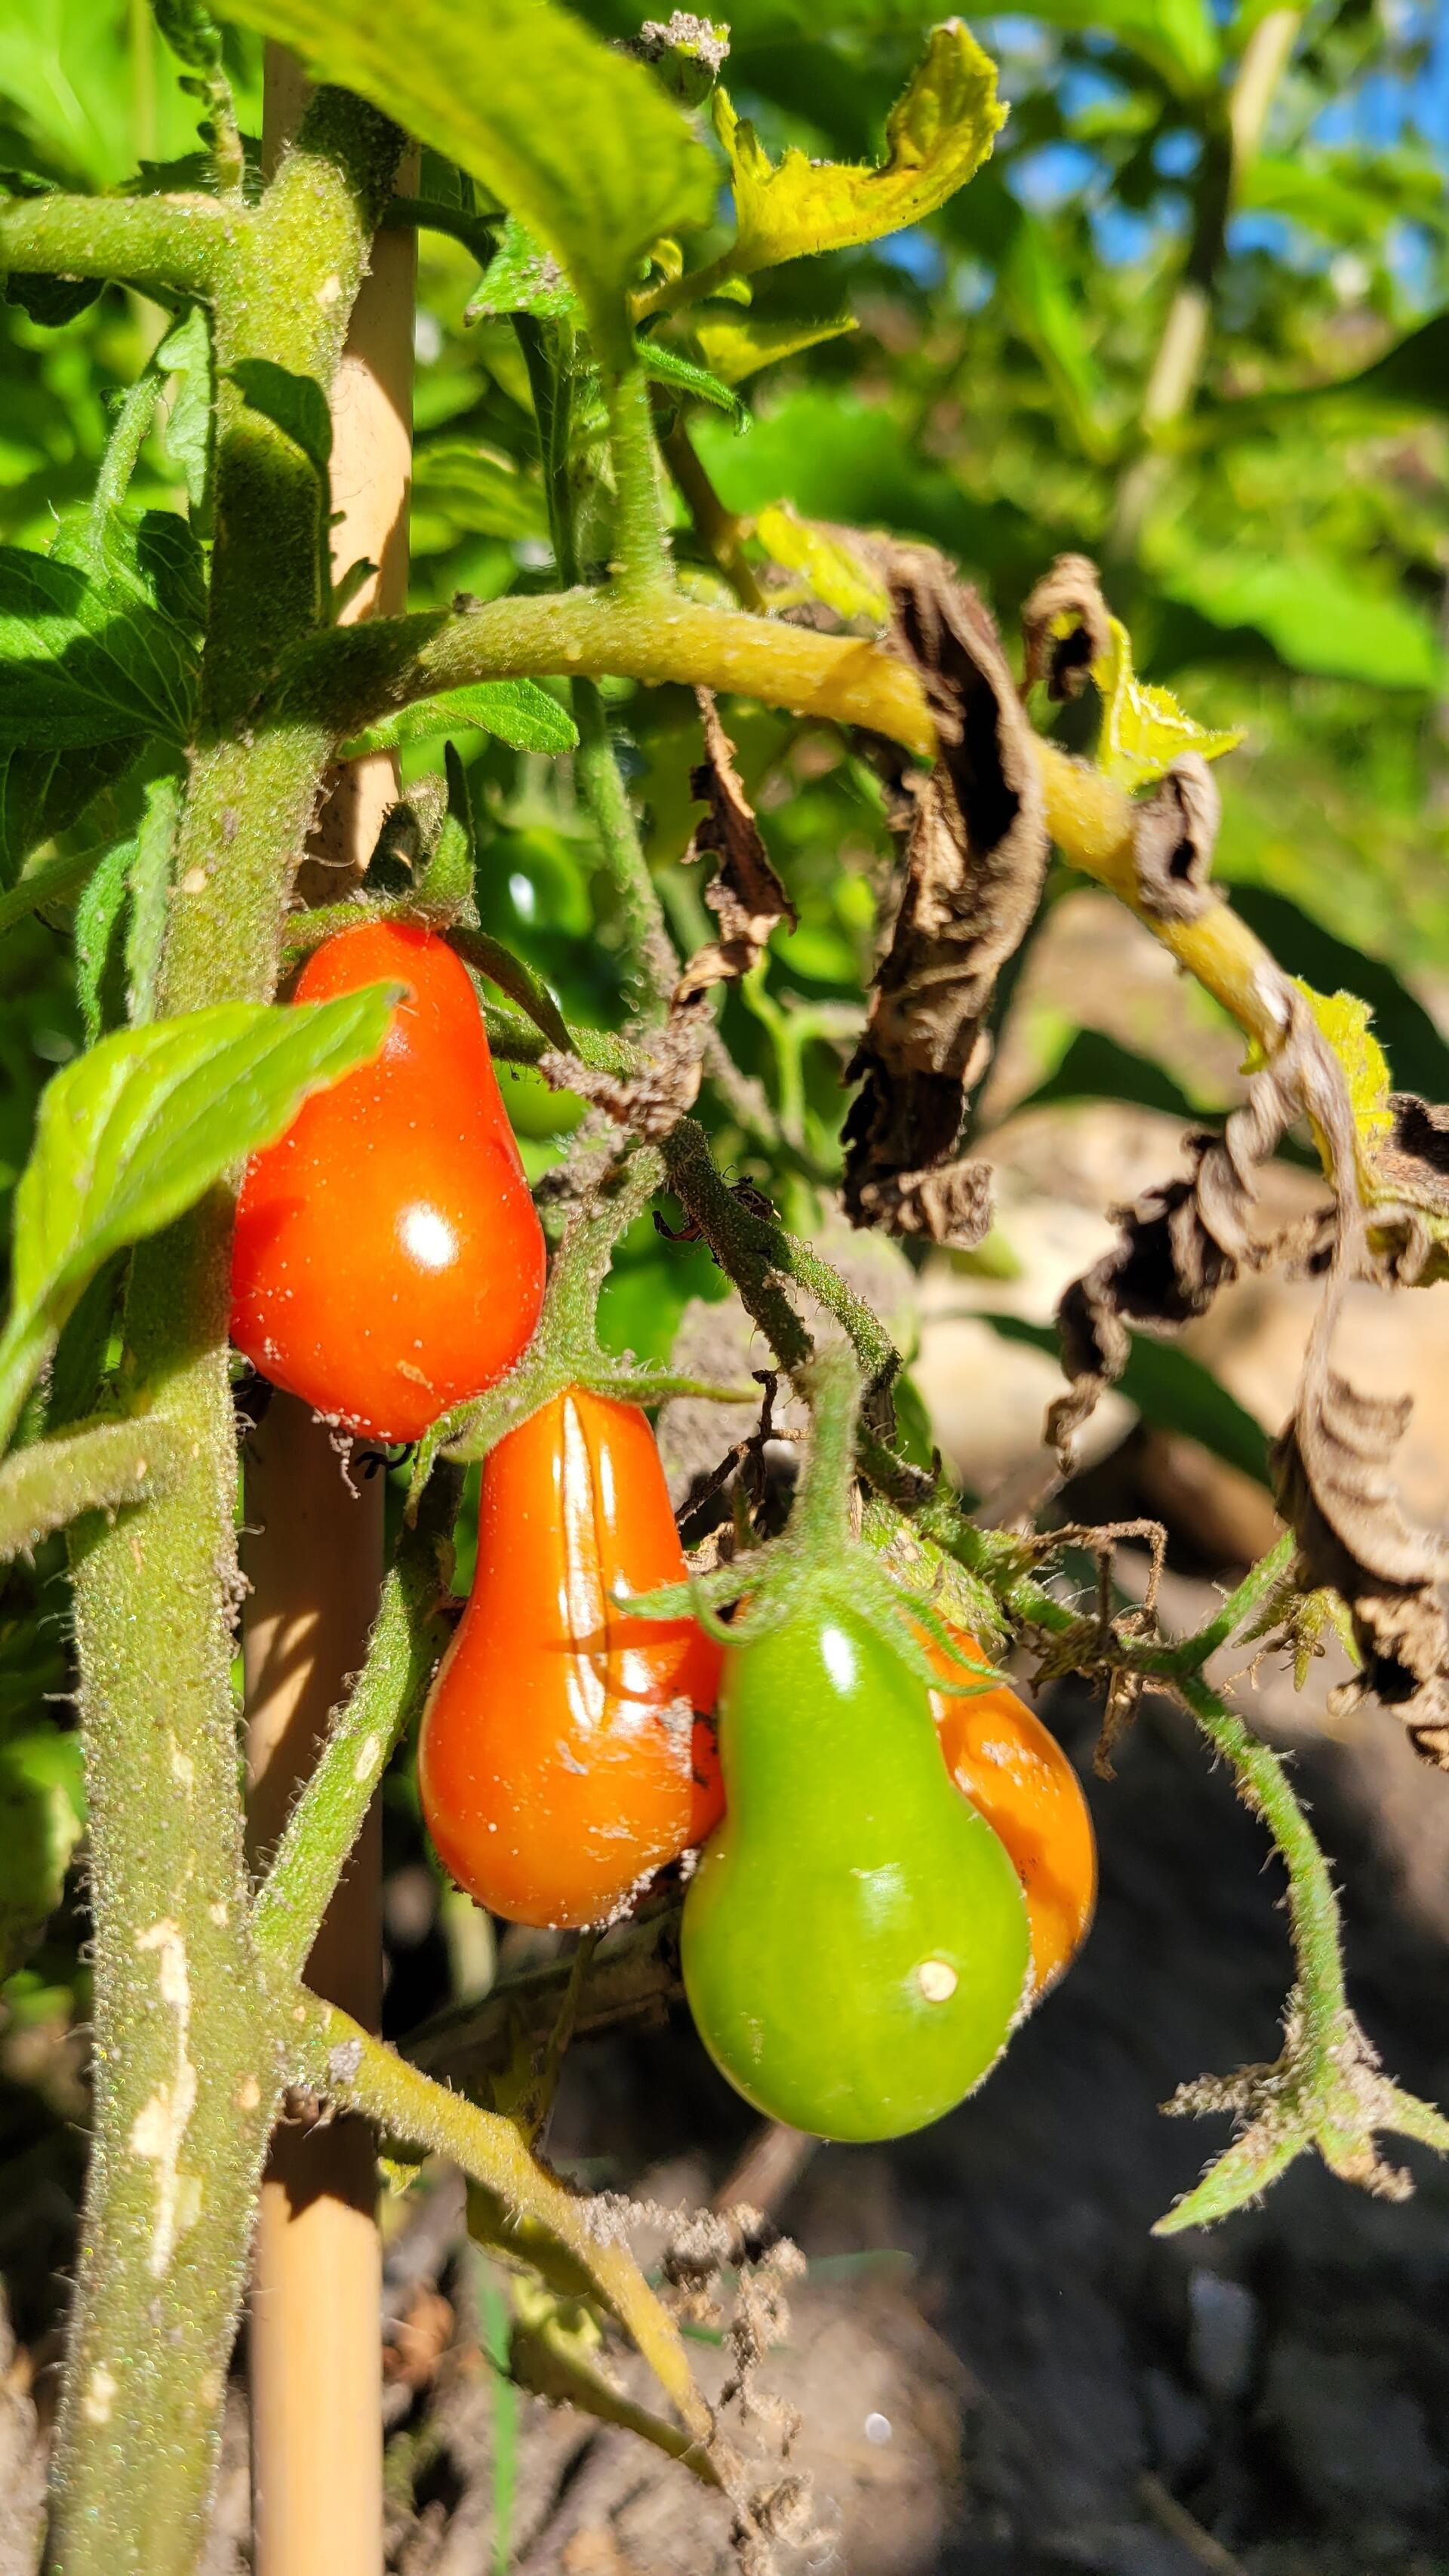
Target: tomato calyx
[(820, 1559), (565, 1351)]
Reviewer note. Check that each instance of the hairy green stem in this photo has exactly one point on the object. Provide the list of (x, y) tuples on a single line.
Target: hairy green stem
[(641, 547), (186, 2060), (166, 246), (1240, 1604), (95, 1467), (185, 2072), (1312, 1906), (335, 2055), (601, 784), (402, 1656), (129, 430)]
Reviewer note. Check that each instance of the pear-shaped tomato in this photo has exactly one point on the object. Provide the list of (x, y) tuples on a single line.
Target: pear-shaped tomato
[(855, 1945), (562, 1757), (388, 1258), (1014, 1771)]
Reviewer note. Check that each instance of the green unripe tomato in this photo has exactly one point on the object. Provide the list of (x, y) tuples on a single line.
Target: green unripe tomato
[(855, 1941)]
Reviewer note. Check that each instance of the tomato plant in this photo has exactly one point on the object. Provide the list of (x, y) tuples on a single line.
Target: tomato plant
[(565, 1754), (188, 703), (387, 1257)]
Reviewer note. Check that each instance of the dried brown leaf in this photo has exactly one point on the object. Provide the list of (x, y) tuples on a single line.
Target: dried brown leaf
[(1331, 1472), (974, 867), (1174, 836), (653, 1101), (744, 893), (1065, 627), (1188, 1238), (948, 1203)]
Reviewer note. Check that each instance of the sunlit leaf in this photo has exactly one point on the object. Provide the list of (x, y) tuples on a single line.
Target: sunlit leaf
[(938, 134), (666, 366), (1144, 730), (516, 711), (130, 1135), (575, 139), (836, 572), (736, 345), (522, 278)]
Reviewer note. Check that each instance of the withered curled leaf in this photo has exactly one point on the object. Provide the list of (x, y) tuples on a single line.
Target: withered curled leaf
[(744, 893), (1331, 1472), (1065, 627), (974, 868), (652, 1101), (1186, 1239), (1174, 835)]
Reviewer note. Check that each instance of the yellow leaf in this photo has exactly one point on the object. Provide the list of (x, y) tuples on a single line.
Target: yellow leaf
[(1347, 1024), (736, 345), (836, 574), (1144, 730), (937, 136)]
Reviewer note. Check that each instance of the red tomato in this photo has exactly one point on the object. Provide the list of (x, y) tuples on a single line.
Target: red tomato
[(388, 1258), (563, 1759), (1016, 1774)]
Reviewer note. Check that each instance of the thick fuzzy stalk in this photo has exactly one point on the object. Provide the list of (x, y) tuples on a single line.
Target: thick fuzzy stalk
[(185, 2062)]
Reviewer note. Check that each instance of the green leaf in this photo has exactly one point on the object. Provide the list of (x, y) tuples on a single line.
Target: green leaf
[(479, 490), (185, 353), (1171, 1390), (938, 134), (665, 366), (522, 278), (130, 1136), (1177, 37), (41, 794), (134, 874), (97, 638), (1144, 730), (42, 1818), (296, 404), (576, 140), (517, 711), (150, 896), (1046, 309), (488, 956), (1318, 615), (191, 32), (97, 920), (735, 345)]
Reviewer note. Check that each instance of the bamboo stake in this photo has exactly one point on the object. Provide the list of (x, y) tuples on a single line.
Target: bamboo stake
[(315, 1565)]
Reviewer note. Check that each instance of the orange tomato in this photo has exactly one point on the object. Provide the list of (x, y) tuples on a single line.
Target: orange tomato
[(563, 1758), (1015, 1773), (388, 1258)]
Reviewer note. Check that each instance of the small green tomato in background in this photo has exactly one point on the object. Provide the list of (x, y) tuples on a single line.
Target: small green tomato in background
[(855, 1946)]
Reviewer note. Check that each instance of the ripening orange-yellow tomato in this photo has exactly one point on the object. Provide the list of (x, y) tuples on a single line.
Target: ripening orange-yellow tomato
[(564, 1754), (1016, 1775)]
